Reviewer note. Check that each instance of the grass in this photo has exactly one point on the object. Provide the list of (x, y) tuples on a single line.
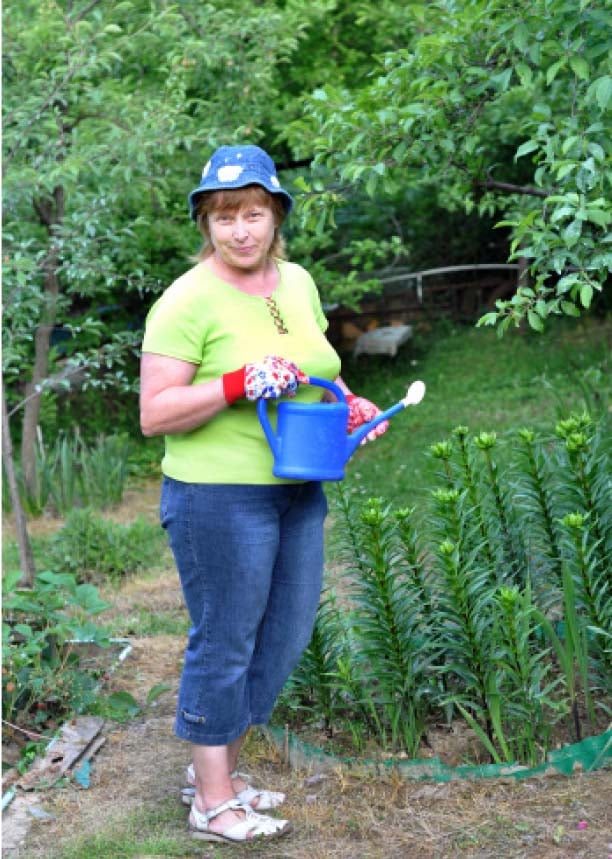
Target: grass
[(478, 380), (126, 839), (144, 622)]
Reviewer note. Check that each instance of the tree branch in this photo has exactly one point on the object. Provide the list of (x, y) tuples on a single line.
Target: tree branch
[(110, 119), (513, 189), (22, 137), (91, 5)]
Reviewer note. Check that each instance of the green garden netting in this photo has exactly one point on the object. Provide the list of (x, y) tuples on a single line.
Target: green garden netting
[(588, 755)]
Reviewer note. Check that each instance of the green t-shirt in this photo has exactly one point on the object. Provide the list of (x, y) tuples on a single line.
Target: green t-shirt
[(208, 322)]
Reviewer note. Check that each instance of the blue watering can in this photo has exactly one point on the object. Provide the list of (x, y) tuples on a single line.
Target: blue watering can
[(311, 441)]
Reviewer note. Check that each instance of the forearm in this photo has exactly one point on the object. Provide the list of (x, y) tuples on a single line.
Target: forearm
[(181, 408)]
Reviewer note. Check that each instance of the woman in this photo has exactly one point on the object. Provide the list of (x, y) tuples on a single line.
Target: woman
[(241, 324)]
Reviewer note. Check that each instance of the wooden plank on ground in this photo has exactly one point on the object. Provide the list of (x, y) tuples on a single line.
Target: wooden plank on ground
[(73, 742)]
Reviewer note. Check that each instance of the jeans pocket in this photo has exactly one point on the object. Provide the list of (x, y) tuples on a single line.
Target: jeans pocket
[(192, 718)]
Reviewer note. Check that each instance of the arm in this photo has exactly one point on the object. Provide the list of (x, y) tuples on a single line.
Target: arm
[(169, 403)]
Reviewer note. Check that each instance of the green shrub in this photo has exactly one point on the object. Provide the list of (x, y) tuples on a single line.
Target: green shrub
[(90, 546)]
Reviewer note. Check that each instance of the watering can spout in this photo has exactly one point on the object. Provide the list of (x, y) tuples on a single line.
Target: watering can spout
[(310, 442), (414, 395)]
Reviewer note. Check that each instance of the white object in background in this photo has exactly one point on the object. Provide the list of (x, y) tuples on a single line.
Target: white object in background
[(382, 341)]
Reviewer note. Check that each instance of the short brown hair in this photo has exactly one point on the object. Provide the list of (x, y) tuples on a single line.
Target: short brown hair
[(231, 201)]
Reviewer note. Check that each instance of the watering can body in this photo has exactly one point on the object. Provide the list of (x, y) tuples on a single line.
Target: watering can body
[(311, 441)]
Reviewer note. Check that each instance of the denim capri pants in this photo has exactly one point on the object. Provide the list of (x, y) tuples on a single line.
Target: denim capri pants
[(250, 561)]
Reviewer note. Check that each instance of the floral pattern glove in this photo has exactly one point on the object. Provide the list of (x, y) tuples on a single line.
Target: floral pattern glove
[(271, 378), (361, 411)]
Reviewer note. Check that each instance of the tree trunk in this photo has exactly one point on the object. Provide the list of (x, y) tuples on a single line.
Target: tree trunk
[(50, 212), (26, 558)]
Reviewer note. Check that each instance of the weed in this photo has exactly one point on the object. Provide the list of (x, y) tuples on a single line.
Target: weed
[(42, 678), (70, 473), (89, 545)]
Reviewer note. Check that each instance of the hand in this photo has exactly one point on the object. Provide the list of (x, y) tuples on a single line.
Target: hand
[(271, 378), (362, 411)]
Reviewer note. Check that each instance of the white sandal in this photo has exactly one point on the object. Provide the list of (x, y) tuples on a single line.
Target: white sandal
[(267, 799), (253, 826)]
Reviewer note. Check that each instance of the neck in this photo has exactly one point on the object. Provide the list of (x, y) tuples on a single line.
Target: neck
[(261, 280)]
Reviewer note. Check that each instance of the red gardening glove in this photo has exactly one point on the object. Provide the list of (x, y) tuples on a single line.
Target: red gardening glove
[(362, 411), (270, 379)]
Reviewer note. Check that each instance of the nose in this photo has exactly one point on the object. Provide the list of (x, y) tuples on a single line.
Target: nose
[(240, 230)]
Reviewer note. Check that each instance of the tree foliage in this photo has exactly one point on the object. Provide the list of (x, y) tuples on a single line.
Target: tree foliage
[(503, 112), (107, 107), (380, 115)]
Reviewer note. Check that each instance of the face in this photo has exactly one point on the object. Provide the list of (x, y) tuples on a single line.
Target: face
[(242, 238)]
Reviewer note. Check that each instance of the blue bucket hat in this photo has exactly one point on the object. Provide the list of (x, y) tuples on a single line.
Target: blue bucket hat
[(233, 167)]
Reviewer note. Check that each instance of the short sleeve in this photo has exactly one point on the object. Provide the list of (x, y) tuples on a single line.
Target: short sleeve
[(175, 329)]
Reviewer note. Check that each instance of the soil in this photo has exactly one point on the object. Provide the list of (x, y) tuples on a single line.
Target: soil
[(339, 814)]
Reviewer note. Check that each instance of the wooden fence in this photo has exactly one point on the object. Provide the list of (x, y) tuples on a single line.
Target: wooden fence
[(461, 293)]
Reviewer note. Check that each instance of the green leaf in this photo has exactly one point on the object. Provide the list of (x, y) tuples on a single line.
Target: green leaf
[(562, 212), (569, 309), (597, 151), (122, 705), (564, 169), (156, 691), (586, 295), (580, 67), (599, 217), (569, 142), (488, 319), (524, 148), (603, 92), (566, 283), (553, 70), (534, 321), (484, 739), (572, 232), (520, 37), (371, 184), (501, 81), (23, 629), (541, 308), (524, 73)]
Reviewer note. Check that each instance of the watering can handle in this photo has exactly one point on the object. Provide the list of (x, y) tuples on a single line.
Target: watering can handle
[(262, 412), (330, 386)]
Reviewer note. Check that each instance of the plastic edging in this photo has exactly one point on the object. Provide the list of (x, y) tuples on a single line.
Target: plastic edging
[(586, 756)]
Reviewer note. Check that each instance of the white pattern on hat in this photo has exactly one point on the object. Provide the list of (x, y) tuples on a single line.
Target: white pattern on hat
[(275, 181), (206, 169), (229, 173)]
